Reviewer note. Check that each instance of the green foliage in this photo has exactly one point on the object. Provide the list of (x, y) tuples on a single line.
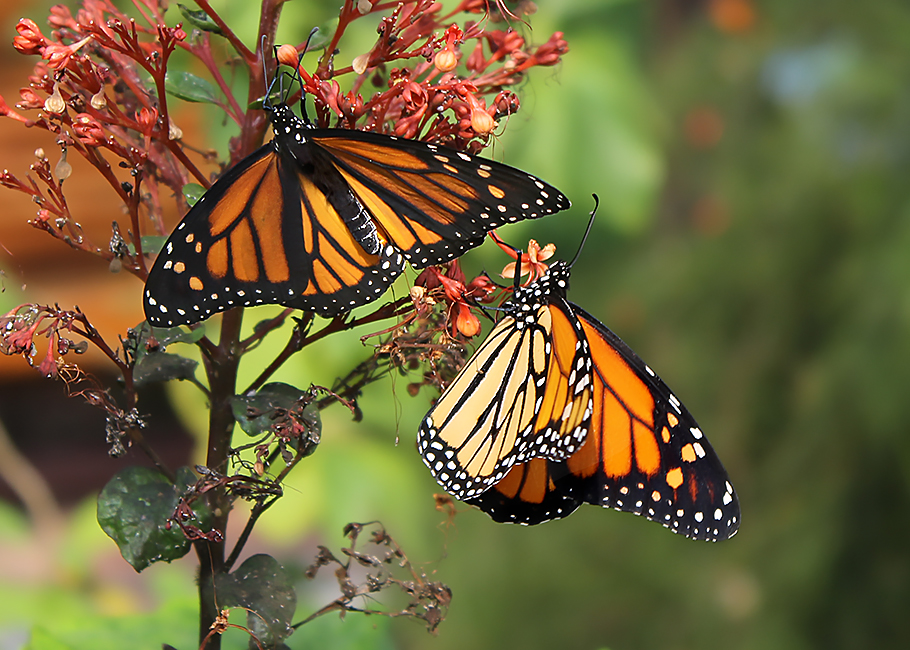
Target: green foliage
[(190, 88), (133, 509), (262, 587), (256, 414)]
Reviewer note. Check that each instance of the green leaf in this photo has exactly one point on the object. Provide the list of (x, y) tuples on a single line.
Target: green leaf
[(167, 335), (133, 509), (163, 366), (149, 363), (190, 88), (150, 244), (263, 587), (257, 413), (192, 192), (164, 336), (199, 19)]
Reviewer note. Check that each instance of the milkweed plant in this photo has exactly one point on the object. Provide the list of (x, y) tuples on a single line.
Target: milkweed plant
[(104, 88)]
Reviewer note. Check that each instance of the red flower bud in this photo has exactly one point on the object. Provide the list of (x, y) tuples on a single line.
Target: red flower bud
[(481, 288), (549, 52), (30, 99), (481, 121), (60, 17), (146, 119), (29, 39), (476, 62), (465, 321), (88, 129), (446, 59), (506, 103), (58, 55), (48, 367), (287, 55), (6, 111)]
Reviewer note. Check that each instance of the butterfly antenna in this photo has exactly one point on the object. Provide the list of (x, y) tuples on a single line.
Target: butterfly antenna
[(299, 78), (267, 100), (587, 231)]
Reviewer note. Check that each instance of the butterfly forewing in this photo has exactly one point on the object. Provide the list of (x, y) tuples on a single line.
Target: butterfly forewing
[(435, 203), (193, 275), (469, 444), (526, 393), (253, 239), (646, 453)]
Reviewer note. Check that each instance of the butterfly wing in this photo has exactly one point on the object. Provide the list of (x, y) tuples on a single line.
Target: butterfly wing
[(264, 233), (521, 395), (433, 203), (531, 493), (644, 454)]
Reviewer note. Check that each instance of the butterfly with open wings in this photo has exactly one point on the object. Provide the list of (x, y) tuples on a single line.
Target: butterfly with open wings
[(324, 219)]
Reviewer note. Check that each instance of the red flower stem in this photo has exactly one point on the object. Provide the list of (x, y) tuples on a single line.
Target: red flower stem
[(228, 33), (204, 53), (347, 14), (135, 232), (175, 148)]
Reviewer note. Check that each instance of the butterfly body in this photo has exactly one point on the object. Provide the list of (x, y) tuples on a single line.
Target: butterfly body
[(642, 451), (324, 219)]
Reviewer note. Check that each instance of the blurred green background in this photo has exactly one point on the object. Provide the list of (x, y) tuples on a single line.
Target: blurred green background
[(752, 245)]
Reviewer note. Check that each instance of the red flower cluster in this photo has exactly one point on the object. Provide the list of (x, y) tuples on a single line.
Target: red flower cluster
[(20, 327), (532, 262), (417, 98), (458, 294)]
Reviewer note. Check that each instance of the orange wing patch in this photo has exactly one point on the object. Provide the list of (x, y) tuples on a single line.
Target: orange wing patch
[(233, 203), (351, 150), (623, 412)]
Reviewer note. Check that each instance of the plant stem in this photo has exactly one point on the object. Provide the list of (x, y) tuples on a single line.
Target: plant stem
[(221, 369)]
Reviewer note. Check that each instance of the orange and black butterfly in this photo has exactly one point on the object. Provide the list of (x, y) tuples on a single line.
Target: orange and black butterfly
[(554, 410), (324, 219)]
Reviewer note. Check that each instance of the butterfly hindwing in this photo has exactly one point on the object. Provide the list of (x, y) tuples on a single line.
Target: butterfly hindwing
[(531, 493)]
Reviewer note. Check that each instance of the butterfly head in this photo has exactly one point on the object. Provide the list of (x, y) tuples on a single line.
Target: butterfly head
[(285, 122), (527, 300)]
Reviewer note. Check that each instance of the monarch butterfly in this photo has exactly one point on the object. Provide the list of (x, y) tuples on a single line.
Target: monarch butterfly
[(323, 220), (554, 410)]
